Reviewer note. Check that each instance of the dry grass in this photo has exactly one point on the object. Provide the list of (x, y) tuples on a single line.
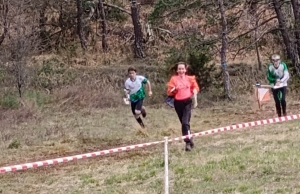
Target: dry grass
[(88, 116), (256, 160), (90, 96)]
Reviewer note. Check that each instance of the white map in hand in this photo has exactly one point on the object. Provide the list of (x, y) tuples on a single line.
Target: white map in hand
[(126, 100), (280, 86)]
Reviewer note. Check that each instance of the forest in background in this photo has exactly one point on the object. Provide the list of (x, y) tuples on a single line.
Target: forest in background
[(63, 64), (52, 45)]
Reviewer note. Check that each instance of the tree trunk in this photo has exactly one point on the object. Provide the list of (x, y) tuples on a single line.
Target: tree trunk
[(138, 35), (223, 50), (290, 47), (4, 15), (20, 79), (296, 7), (256, 45), (103, 23), (42, 24), (80, 24)]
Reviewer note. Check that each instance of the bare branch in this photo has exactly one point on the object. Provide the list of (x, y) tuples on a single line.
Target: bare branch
[(266, 21), (185, 8), (164, 30), (117, 7), (248, 46)]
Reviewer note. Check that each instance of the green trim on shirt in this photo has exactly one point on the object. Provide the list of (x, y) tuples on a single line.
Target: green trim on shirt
[(140, 94), (271, 76)]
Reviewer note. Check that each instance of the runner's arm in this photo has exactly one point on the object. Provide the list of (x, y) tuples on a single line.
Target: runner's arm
[(286, 74), (195, 86), (171, 91), (126, 91), (149, 88)]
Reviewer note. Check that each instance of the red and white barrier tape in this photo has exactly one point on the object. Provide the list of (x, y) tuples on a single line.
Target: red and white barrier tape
[(126, 148), (72, 158), (240, 126)]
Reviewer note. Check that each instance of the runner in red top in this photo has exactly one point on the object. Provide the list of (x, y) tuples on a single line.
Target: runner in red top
[(183, 87)]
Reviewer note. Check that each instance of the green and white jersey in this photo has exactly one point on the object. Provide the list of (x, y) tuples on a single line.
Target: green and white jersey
[(136, 88), (278, 73)]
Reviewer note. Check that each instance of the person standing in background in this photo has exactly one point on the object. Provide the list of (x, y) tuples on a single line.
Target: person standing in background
[(278, 76), (183, 88)]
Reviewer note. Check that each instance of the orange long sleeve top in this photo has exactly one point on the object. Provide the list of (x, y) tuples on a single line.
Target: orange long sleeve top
[(184, 87)]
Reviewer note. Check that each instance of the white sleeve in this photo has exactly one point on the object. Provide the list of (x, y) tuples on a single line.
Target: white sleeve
[(286, 76), (141, 78), (126, 86)]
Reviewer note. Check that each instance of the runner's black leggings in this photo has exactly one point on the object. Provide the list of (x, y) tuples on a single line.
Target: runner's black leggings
[(183, 109), (280, 103)]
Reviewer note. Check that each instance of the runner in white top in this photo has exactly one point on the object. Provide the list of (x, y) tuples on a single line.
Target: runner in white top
[(135, 91), (278, 75)]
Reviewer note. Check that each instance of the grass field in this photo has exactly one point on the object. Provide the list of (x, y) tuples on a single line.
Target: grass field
[(255, 160)]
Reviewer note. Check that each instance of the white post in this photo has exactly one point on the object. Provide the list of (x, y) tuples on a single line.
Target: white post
[(166, 167)]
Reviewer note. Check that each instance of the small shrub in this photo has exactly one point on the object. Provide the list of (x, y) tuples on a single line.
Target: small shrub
[(53, 73), (15, 144), (9, 102), (38, 97)]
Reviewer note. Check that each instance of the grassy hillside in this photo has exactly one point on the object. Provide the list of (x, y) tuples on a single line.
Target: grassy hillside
[(254, 160)]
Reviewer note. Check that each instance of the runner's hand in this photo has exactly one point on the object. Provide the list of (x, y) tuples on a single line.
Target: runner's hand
[(195, 91), (150, 93), (195, 104), (126, 100)]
